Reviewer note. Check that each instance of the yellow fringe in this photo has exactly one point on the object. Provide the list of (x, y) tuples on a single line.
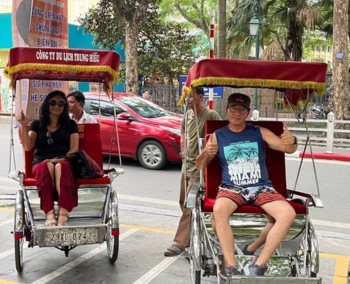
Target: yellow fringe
[(258, 83), (8, 71)]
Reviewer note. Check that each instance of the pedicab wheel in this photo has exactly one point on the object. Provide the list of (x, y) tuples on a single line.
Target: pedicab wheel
[(151, 155), (112, 246), (19, 230), (307, 255), (112, 241), (19, 254), (195, 248)]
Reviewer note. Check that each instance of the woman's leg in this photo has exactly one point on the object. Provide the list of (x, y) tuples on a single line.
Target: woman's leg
[(44, 173), (65, 186)]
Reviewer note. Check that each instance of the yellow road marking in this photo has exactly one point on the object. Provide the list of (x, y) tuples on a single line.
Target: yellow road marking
[(148, 229), (7, 209), (9, 282), (341, 267)]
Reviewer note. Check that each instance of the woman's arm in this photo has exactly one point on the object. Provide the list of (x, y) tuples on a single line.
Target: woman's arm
[(27, 139), (74, 143)]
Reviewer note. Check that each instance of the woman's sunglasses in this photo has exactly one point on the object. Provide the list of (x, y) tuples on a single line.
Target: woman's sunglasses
[(49, 136), (60, 103)]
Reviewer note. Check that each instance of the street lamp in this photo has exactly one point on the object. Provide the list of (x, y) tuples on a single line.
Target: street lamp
[(254, 31)]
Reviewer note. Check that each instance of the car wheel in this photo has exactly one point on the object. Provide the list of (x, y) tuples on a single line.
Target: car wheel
[(152, 155)]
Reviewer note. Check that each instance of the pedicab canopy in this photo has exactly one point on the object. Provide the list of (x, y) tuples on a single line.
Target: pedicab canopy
[(293, 78), (63, 64)]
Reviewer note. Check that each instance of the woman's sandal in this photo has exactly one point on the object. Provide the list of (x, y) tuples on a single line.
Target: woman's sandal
[(65, 223), (50, 222)]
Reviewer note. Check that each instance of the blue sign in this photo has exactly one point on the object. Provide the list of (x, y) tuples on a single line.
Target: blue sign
[(339, 55), (217, 91)]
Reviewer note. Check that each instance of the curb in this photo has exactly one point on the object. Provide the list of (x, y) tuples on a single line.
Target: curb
[(5, 113), (321, 156)]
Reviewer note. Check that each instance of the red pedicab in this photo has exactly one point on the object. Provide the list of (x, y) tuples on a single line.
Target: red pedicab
[(95, 220), (297, 258)]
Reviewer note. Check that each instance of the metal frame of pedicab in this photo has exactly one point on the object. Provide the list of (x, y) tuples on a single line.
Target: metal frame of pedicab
[(103, 224), (297, 259)]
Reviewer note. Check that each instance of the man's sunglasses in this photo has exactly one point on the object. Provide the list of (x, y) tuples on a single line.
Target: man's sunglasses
[(49, 136), (60, 103)]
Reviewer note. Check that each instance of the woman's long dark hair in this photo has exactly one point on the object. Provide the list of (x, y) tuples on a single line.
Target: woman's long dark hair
[(44, 114)]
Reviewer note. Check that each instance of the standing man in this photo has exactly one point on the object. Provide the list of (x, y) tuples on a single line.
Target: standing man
[(76, 102), (240, 145), (182, 236)]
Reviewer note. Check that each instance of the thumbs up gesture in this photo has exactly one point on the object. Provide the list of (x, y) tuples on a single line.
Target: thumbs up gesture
[(212, 145), (287, 137)]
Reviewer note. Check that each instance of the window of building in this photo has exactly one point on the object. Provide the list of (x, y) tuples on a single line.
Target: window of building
[(322, 47), (316, 47), (328, 48)]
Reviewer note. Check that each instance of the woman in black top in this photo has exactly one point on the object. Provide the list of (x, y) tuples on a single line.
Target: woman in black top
[(54, 136)]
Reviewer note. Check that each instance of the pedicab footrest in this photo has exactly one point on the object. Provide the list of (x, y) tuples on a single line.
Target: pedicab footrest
[(275, 280), (70, 236)]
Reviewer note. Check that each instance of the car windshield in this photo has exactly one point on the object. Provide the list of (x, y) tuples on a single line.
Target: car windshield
[(143, 107)]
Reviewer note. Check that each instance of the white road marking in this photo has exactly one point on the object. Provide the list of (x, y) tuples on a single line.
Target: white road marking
[(6, 179), (330, 224), (7, 253), (149, 200), (159, 268), (6, 222), (79, 260)]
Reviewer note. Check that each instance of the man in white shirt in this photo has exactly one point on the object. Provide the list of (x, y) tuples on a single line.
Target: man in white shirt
[(76, 102)]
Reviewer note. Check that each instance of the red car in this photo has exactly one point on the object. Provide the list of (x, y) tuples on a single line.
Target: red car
[(147, 132)]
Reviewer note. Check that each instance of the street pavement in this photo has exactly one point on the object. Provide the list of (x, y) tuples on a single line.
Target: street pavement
[(149, 215)]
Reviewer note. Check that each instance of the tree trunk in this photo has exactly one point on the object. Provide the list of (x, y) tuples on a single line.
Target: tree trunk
[(221, 29), (340, 96), (131, 63)]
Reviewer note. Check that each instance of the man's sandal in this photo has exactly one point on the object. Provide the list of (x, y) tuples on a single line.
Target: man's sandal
[(173, 250), (50, 222), (65, 223)]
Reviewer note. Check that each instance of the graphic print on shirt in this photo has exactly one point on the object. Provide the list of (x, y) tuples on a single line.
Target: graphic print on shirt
[(243, 162)]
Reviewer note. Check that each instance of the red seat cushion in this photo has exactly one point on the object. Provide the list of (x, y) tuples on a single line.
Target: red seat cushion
[(209, 204), (95, 181), (89, 140)]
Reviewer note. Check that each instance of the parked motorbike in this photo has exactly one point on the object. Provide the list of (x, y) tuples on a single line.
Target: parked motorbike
[(317, 112)]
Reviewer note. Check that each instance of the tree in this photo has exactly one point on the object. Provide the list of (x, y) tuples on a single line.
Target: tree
[(130, 13), (221, 29), (340, 89), (162, 47), (282, 24)]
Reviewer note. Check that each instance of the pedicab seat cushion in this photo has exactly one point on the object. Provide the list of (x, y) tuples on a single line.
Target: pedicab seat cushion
[(89, 140), (275, 162)]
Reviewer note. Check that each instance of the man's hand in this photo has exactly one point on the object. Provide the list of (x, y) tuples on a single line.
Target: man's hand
[(211, 147), (287, 137)]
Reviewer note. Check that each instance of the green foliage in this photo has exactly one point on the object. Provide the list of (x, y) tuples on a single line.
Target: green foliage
[(163, 47)]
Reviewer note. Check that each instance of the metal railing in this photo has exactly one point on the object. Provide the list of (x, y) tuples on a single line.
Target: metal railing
[(321, 136)]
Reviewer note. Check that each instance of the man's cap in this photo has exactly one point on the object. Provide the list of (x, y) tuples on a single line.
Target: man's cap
[(238, 98)]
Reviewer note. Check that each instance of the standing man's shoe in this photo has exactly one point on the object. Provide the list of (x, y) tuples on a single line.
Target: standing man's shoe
[(257, 270)]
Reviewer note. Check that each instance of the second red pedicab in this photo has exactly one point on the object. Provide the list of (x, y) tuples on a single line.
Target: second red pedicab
[(296, 260), (96, 219)]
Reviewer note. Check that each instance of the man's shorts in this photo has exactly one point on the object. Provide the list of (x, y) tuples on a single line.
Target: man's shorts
[(256, 195)]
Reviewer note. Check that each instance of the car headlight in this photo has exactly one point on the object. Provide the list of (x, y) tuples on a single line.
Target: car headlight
[(172, 130)]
